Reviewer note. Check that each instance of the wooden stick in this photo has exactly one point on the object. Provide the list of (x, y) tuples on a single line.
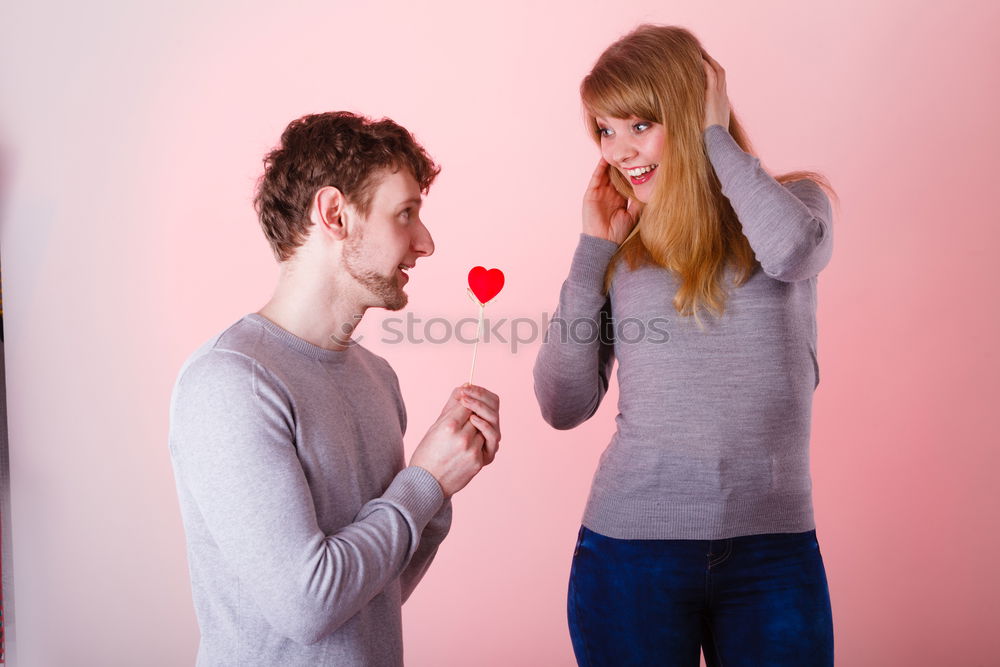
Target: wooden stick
[(475, 347)]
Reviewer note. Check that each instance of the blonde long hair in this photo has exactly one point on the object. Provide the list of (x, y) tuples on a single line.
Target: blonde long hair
[(688, 227)]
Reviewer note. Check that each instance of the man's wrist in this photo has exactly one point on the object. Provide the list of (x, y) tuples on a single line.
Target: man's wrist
[(440, 486)]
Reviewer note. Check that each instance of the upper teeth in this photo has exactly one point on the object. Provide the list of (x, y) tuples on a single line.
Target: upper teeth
[(639, 171)]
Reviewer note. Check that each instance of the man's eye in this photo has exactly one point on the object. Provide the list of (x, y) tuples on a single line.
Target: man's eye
[(405, 214)]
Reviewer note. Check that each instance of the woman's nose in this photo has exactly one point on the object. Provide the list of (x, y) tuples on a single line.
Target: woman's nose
[(624, 150)]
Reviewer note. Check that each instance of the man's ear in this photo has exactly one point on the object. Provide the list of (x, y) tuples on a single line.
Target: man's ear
[(327, 211)]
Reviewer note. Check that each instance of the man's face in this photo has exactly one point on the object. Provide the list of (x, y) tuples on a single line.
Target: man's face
[(388, 242)]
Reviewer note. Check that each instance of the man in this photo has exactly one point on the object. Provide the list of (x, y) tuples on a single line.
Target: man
[(305, 530)]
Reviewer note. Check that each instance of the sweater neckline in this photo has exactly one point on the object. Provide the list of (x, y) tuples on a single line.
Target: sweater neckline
[(300, 345)]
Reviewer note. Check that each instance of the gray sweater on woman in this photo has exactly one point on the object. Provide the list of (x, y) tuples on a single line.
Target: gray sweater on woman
[(712, 436), (305, 530)]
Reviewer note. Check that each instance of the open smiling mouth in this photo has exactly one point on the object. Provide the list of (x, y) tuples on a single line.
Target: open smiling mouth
[(640, 175)]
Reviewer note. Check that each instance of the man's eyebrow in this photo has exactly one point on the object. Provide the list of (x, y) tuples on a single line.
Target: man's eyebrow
[(411, 201)]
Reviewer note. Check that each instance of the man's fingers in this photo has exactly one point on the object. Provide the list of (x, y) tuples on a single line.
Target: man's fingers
[(482, 410), (453, 399), (477, 410), (485, 417), (490, 434), (457, 412), (469, 430), (478, 441), (482, 394), (490, 430), (483, 403)]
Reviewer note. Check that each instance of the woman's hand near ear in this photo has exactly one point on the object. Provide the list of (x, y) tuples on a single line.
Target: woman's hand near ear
[(606, 214)]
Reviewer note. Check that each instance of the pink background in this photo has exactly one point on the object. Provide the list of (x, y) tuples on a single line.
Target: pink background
[(131, 139)]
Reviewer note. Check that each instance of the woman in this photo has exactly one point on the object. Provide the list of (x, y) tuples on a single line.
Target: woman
[(697, 271)]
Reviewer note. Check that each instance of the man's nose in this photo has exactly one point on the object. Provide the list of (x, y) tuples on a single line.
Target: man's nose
[(423, 244)]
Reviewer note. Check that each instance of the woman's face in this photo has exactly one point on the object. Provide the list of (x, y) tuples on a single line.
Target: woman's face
[(634, 147)]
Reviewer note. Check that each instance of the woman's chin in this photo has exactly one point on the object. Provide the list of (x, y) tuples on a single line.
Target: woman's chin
[(644, 192)]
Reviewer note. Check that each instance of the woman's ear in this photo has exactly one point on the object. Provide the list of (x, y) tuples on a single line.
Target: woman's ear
[(327, 211)]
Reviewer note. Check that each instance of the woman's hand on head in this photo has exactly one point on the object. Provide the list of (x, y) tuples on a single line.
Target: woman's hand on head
[(606, 214), (716, 98)]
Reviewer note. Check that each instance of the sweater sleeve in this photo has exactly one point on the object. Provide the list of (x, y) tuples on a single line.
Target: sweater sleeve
[(573, 367), (788, 226), (432, 537), (233, 446)]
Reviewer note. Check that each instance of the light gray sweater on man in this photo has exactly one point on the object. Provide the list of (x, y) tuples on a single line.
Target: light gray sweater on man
[(712, 437), (305, 530)]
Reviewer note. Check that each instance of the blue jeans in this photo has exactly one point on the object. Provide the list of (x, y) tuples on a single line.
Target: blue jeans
[(753, 600)]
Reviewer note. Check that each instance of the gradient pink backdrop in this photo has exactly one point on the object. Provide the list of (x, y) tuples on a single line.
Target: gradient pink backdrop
[(131, 139)]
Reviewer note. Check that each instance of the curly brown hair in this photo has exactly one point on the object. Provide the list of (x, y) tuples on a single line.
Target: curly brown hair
[(339, 149)]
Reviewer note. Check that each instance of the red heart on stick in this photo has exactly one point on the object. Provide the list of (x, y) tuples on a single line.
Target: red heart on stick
[(485, 284)]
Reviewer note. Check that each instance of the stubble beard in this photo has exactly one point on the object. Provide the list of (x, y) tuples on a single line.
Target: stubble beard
[(387, 290)]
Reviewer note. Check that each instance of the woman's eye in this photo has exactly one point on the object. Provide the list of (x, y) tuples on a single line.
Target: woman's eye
[(641, 127), (603, 132)]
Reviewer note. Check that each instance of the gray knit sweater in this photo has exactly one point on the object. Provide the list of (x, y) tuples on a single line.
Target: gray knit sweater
[(712, 437), (305, 530)]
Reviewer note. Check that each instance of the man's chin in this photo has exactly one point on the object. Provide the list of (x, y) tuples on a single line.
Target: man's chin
[(397, 302), (385, 292), (396, 305)]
